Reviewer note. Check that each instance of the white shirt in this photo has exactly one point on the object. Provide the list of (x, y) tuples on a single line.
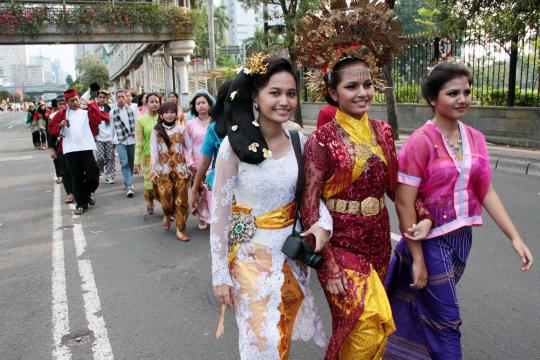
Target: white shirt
[(78, 136), (125, 119), (105, 130)]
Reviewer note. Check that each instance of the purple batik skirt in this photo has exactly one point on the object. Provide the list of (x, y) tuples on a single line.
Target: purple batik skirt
[(428, 320)]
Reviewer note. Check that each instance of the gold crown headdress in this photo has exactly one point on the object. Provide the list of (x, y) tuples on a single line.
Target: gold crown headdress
[(365, 29)]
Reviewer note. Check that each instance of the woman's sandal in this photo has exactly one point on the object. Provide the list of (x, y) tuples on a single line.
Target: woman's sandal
[(181, 236)]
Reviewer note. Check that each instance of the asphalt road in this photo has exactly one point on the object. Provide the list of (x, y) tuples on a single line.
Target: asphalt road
[(120, 286)]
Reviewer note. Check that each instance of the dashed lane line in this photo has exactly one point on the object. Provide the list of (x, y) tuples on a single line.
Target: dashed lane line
[(60, 314), (101, 347)]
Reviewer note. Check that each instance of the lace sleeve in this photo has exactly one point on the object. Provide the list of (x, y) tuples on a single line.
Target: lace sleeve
[(222, 197), (313, 210)]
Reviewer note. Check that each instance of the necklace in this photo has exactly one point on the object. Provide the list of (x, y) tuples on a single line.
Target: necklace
[(457, 147)]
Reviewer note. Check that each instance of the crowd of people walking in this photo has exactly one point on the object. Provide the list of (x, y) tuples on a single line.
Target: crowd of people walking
[(279, 203)]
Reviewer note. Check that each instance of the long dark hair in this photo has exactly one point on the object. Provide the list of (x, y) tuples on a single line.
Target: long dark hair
[(160, 129), (239, 110), (218, 112)]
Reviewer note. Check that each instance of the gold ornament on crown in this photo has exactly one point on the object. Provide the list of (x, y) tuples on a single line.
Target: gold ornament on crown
[(364, 29)]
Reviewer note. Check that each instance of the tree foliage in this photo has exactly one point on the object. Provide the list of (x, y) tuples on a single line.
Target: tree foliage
[(501, 20), (221, 23), (92, 69), (288, 13)]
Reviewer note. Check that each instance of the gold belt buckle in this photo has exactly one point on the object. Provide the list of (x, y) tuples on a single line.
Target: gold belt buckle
[(341, 206), (370, 206)]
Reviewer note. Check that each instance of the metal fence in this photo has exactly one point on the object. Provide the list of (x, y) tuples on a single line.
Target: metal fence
[(489, 61)]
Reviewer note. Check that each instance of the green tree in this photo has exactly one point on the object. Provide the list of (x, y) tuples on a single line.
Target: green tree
[(505, 22), (221, 23), (408, 13), (92, 69), (286, 12)]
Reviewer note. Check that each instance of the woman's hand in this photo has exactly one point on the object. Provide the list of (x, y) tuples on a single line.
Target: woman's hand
[(524, 253), (224, 294), (420, 274), (136, 168), (53, 154), (420, 231), (322, 236), (337, 286), (153, 177), (194, 196)]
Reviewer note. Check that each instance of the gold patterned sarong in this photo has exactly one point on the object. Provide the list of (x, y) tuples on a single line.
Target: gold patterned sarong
[(246, 274), (367, 339)]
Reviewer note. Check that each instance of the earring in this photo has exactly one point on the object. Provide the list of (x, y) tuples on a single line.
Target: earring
[(255, 106)]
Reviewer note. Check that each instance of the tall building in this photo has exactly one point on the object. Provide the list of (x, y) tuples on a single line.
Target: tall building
[(47, 68), (11, 55), (242, 23)]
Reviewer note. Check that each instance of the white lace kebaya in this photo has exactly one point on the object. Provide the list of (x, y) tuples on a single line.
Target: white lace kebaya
[(263, 187)]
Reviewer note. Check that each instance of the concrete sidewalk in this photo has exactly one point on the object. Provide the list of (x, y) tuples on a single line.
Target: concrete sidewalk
[(517, 160)]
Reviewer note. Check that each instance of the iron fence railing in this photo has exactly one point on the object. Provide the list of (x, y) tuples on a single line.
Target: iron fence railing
[(488, 60)]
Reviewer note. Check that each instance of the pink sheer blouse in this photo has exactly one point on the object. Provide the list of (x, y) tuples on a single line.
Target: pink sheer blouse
[(453, 190)]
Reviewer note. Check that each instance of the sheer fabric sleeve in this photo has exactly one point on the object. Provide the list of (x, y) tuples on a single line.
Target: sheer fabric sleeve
[(412, 163), (188, 148), (413, 160), (225, 181), (154, 152), (316, 162), (139, 142)]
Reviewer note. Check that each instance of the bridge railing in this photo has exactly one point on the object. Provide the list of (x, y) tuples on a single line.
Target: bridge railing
[(78, 2), (158, 19)]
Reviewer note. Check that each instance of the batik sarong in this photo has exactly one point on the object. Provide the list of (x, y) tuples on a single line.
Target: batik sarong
[(428, 320)]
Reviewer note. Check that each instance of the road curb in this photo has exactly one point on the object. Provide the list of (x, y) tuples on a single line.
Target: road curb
[(516, 166)]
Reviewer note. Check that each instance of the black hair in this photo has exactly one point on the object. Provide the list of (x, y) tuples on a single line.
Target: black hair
[(175, 94), (335, 76), (160, 129), (440, 75), (218, 111), (239, 110), (192, 107), (140, 99), (153, 94)]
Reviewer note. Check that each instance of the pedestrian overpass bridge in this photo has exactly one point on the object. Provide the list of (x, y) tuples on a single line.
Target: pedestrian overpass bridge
[(139, 28), (93, 21)]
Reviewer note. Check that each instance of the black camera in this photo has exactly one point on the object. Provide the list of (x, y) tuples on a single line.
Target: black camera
[(297, 248)]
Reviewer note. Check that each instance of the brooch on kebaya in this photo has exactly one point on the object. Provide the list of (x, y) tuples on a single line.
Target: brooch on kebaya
[(241, 228)]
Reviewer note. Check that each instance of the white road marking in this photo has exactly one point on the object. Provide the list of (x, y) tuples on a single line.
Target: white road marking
[(101, 347), (60, 314), (395, 237), (16, 158), (10, 126)]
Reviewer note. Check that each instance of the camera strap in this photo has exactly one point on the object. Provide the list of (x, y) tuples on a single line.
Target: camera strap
[(295, 139)]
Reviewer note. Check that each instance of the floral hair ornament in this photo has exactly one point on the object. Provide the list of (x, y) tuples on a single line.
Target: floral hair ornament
[(253, 147), (267, 153), (256, 64), (332, 33)]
